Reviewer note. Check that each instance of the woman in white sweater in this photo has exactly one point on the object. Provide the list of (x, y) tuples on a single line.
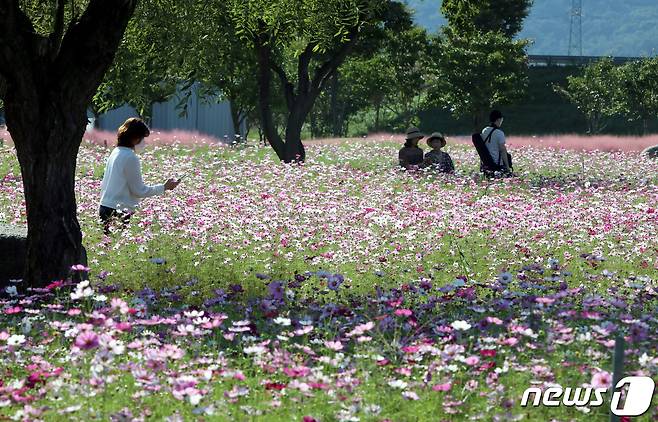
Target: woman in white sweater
[(123, 186)]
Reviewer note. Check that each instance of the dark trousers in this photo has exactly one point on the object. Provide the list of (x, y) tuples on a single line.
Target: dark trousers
[(107, 215)]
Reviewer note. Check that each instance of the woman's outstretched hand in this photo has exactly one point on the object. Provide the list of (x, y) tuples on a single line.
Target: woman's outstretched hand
[(171, 184)]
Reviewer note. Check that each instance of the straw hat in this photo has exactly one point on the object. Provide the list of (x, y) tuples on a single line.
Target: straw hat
[(414, 133), (436, 135)]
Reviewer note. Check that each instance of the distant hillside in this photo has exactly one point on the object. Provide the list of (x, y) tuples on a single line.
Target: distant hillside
[(610, 27)]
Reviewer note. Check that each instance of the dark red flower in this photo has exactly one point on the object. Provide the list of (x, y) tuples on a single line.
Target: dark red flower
[(488, 353), (274, 386)]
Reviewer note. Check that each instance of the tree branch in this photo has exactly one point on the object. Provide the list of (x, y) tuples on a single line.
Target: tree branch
[(323, 72), (55, 37), (302, 69), (89, 45), (288, 88), (17, 38)]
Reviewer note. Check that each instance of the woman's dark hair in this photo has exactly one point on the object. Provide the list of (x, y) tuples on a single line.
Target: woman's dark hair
[(131, 129)]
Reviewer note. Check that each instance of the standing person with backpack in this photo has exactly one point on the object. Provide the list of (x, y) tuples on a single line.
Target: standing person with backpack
[(494, 139)]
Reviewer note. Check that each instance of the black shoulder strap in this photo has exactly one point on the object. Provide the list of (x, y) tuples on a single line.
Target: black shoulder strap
[(493, 129)]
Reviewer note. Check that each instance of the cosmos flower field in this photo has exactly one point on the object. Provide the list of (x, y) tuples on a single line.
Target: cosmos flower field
[(341, 290)]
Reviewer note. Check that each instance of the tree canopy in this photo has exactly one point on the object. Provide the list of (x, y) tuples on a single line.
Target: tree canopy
[(477, 63), (467, 16)]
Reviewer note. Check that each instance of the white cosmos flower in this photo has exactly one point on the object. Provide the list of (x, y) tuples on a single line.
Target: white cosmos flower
[(254, 350), (11, 291), (458, 282), (398, 384), (82, 290), (282, 321), (26, 325), (461, 325), (116, 347), (16, 340)]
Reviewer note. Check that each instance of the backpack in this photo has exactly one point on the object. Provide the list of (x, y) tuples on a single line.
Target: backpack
[(487, 163)]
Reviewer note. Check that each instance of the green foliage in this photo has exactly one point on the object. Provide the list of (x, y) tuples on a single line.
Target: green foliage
[(637, 90), (389, 80), (468, 16), (476, 64), (604, 91), (294, 24), (218, 58), (147, 66), (42, 13), (594, 93)]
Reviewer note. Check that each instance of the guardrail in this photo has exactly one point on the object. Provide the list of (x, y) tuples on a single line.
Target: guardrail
[(547, 60)]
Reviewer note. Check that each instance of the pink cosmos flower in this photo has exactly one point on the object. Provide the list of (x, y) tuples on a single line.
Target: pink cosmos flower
[(472, 360), (544, 300), (13, 310), (334, 345), (512, 341), (403, 312), (494, 320), (86, 340), (601, 379), (442, 387), (296, 372)]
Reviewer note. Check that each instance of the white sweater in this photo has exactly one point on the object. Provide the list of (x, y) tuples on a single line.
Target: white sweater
[(122, 186)]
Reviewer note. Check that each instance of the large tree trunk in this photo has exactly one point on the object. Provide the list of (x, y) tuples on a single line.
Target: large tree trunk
[(265, 99), (49, 83), (335, 114), (47, 154), (294, 151)]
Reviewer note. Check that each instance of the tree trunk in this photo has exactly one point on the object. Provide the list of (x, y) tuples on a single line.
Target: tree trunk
[(47, 139), (335, 115), (294, 151), (479, 120), (235, 119), (378, 108), (50, 82), (264, 98)]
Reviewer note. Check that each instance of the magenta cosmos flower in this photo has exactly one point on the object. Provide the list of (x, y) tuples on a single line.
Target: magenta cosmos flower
[(86, 340)]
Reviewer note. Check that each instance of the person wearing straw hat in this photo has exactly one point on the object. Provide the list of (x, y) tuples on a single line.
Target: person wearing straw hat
[(411, 156), (437, 159)]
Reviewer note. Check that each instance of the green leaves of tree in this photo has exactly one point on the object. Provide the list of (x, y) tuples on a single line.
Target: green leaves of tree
[(604, 91), (476, 63)]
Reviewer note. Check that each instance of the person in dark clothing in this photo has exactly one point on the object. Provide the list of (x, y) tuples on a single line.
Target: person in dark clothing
[(411, 156), (436, 159)]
